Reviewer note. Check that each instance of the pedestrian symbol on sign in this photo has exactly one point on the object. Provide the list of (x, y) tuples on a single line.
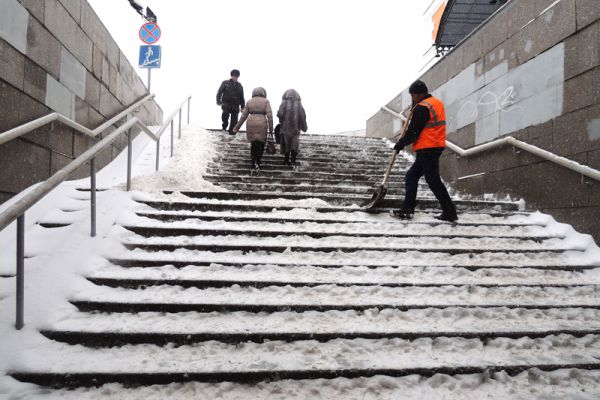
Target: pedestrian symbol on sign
[(149, 57)]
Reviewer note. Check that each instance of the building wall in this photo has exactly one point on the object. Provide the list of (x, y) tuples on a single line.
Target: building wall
[(56, 55), (531, 72)]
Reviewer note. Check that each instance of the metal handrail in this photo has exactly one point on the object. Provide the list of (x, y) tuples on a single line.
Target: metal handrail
[(38, 123), (394, 113), (545, 154), (18, 209)]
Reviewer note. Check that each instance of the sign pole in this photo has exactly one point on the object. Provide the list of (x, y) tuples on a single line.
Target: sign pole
[(149, 78)]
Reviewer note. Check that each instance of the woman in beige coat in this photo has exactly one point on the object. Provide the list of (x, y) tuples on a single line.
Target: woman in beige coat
[(260, 122)]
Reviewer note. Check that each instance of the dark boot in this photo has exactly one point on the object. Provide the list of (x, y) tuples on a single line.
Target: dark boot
[(293, 159), (449, 214), (286, 158), (402, 214)]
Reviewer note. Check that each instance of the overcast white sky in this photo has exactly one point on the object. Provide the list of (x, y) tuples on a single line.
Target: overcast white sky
[(346, 58)]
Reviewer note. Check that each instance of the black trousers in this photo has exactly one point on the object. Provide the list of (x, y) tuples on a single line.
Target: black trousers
[(229, 111), (427, 163), (257, 149)]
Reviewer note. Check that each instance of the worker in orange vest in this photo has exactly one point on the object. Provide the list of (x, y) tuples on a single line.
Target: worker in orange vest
[(427, 133)]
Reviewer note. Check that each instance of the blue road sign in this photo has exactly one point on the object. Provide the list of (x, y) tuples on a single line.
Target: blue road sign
[(150, 33), (149, 57)]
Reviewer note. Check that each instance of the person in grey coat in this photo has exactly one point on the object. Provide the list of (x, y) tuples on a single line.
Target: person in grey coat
[(259, 118), (292, 118)]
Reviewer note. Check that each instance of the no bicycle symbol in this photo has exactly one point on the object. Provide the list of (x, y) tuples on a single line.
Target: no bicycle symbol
[(150, 33)]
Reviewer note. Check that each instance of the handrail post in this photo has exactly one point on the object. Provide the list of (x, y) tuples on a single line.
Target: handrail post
[(129, 157), (188, 116), (172, 138), (157, 153), (93, 195), (180, 110), (20, 271)]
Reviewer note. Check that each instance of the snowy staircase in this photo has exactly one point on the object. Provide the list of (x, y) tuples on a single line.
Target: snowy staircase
[(284, 277)]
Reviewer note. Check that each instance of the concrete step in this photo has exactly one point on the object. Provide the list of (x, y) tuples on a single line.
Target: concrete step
[(286, 172), (131, 379), (508, 262), (305, 178), (281, 217), (307, 188), (308, 152), (262, 275), (313, 146), (240, 137), (390, 201), (169, 230), (260, 284), (313, 162), (386, 206), (337, 168), (260, 247), (113, 339), (173, 307)]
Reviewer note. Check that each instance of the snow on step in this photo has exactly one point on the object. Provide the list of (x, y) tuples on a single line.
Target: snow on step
[(332, 295), (295, 215), (530, 385), (356, 228), (356, 275), (340, 354), (368, 258), (447, 321), (342, 243)]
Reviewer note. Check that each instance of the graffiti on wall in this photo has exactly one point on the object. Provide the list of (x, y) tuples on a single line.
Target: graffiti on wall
[(499, 102), (503, 101)]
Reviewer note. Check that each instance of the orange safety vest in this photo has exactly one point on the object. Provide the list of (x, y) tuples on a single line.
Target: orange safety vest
[(434, 133)]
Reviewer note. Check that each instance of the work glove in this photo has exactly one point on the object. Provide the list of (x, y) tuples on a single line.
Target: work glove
[(398, 147)]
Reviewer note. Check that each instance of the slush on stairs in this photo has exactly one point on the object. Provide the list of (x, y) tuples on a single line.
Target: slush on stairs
[(284, 277)]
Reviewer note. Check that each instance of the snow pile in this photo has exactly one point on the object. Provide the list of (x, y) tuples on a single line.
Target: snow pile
[(184, 171), (58, 258)]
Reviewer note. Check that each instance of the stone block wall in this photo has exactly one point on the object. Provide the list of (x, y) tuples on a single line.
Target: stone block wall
[(531, 72), (57, 56)]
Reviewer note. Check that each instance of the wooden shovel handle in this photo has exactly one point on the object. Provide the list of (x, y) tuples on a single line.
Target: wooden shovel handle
[(389, 168), (395, 153)]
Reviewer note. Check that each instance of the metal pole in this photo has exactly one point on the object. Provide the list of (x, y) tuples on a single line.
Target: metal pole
[(157, 153), (188, 119), (129, 157), (93, 194), (20, 271), (180, 123), (172, 139), (149, 78)]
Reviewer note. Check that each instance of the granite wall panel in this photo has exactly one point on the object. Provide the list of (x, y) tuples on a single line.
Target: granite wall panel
[(57, 56)]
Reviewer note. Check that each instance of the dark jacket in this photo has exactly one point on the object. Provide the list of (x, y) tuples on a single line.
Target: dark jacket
[(417, 124), (231, 93), (292, 118)]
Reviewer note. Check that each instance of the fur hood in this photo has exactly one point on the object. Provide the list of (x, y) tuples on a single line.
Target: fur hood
[(259, 92)]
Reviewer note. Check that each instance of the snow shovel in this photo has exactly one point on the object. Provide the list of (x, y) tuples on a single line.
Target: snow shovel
[(381, 191)]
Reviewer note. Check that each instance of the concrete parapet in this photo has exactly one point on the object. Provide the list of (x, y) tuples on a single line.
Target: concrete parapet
[(57, 56), (532, 72)]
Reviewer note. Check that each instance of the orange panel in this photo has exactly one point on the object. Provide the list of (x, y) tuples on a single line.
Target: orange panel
[(437, 17)]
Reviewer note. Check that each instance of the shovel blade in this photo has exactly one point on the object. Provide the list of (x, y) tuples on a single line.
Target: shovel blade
[(378, 195)]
